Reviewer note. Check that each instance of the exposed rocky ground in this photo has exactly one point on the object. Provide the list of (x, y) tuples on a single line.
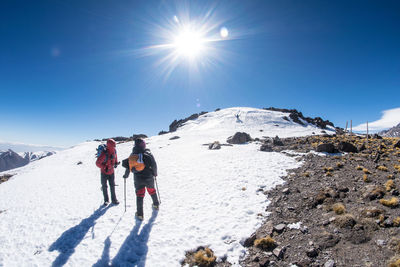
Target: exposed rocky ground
[(336, 209), (5, 178)]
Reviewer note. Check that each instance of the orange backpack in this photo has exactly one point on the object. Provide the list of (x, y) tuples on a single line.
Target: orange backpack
[(136, 161)]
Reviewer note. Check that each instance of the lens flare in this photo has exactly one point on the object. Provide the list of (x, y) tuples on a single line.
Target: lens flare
[(224, 32)]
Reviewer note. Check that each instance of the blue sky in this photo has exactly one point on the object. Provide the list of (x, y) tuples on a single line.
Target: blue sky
[(72, 71)]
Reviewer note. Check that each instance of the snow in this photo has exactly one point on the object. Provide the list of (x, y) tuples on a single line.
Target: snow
[(52, 212), (295, 225)]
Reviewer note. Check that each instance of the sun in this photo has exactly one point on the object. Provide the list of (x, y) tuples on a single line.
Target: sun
[(182, 41), (189, 43)]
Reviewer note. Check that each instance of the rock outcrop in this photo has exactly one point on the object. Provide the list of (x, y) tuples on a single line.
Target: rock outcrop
[(239, 138), (297, 116)]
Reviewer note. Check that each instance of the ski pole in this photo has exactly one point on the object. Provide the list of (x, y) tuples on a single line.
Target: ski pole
[(125, 192), (159, 196)]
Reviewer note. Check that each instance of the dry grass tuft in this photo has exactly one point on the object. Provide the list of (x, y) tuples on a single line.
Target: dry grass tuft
[(390, 176), (328, 169), (382, 168), (366, 178), (397, 167), (329, 174), (345, 221), (392, 203), (366, 171), (394, 263), (204, 257), (339, 165), (389, 185), (371, 212), (306, 174), (396, 221), (359, 168), (266, 243), (339, 208), (381, 218)]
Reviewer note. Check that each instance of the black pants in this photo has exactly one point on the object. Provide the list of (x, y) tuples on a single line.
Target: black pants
[(140, 187), (110, 178)]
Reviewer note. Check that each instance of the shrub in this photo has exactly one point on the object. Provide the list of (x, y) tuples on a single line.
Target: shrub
[(265, 243), (204, 257), (390, 176), (339, 165), (329, 174), (392, 203), (339, 208), (389, 185), (382, 168)]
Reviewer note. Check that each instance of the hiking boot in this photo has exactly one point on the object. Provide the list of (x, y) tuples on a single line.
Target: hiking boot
[(106, 203), (115, 202), (156, 206), (139, 217)]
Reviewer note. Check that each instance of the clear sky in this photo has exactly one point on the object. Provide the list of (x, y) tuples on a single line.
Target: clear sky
[(72, 71)]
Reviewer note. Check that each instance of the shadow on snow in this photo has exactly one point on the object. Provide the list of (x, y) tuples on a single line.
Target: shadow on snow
[(71, 238), (133, 252)]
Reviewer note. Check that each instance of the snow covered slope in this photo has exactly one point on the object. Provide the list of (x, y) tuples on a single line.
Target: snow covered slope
[(51, 214)]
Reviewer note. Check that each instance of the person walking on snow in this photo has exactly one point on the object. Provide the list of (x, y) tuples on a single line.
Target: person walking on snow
[(107, 161), (144, 167)]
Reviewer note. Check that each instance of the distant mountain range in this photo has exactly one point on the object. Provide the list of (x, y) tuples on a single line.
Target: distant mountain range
[(392, 132), (11, 160), (21, 147)]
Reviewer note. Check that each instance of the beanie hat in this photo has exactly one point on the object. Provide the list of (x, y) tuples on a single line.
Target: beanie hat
[(140, 143)]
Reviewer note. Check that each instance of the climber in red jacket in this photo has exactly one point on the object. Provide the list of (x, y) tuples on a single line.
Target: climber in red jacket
[(107, 161)]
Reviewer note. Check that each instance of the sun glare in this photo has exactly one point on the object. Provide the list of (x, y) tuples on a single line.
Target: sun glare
[(189, 43), (194, 42)]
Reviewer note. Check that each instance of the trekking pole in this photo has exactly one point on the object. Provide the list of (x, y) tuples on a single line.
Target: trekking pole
[(125, 192), (159, 196)]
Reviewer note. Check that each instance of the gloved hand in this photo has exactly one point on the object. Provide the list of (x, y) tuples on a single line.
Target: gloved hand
[(115, 165), (125, 176)]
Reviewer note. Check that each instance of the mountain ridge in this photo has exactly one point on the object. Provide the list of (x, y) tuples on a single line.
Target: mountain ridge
[(392, 132)]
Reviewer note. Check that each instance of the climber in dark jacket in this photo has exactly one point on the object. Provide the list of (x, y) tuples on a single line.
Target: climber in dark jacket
[(144, 167)]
